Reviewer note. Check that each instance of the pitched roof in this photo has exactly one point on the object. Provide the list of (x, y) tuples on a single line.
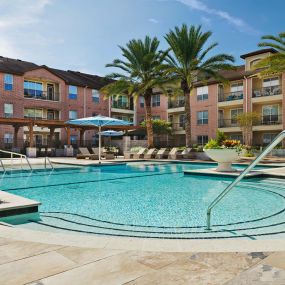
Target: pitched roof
[(19, 67), (260, 51)]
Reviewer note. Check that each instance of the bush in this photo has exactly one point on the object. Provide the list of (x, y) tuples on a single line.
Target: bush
[(212, 144), (220, 137)]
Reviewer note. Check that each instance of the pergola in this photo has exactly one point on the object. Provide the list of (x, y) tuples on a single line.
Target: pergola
[(52, 125)]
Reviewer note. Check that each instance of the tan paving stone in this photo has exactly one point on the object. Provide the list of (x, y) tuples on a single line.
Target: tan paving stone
[(33, 268), (16, 250), (276, 260), (86, 255), (114, 270)]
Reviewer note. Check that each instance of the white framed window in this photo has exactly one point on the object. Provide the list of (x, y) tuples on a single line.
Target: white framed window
[(8, 138), (182, 119), (72, 92), (8, 82), (141, 101), (237, 87), (8, 110), (268, 138), (270, 114), (155, 99), (95, 96), (33, 113), (234, 114), (73, 139), (202, 93), (202, 140), (33, 89), (202, 118), (237, 137), (156, 117), (269, 82), (72, 114)]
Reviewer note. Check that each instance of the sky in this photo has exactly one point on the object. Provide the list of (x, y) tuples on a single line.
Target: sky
[(84, 35)]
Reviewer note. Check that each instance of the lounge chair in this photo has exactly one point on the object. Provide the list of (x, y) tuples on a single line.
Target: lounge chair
[(84, 153), (150, 153), (139, 154), (128, 154), (162, 153), (186, 153), (174, 154)]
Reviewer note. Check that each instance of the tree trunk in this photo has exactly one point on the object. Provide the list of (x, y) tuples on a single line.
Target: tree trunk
[(148, 120), (186, 91)]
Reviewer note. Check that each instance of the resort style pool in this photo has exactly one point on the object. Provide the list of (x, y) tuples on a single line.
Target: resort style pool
[(148, 199)]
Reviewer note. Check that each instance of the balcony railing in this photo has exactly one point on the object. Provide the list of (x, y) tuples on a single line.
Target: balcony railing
[(267, 91), (120, 105), (178, 126), (42, 95), (55, 117), (175, 104), (264, 120), (230, 96)]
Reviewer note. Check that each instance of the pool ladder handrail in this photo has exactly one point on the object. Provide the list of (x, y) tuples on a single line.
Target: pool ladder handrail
[(22, 156), (267, 150), (49, 162)]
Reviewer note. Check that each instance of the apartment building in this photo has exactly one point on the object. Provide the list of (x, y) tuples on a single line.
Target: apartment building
[(215, 105)]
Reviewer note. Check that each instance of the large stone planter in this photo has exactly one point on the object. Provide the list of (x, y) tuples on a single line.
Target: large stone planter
[(224, 157), (31, 152)]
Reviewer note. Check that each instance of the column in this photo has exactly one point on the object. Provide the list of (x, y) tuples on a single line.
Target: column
[(81, 137), (16, 130)]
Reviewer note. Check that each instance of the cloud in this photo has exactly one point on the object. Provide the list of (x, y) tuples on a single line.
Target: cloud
[(206, 21), (154, 21), (239, 23)]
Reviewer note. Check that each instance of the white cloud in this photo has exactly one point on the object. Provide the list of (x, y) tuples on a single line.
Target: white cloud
[(206, 21), (154, 21), (239, 23)]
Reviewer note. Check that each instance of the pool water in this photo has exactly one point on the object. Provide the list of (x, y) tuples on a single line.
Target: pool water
[(150, 200)]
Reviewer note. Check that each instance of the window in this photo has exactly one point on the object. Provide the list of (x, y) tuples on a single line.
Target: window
[(95, 96), (8, 82), (155, 100), (72, 92), (268, 138), (33, 113), (202, 140), (141, 101), (8, 138), (202, 118), (202, 93), (237, 87), (234, 114), (269, 82), (157, 117), (237, 137), (73, 139), (33, 89), (270, 114), (182, 119), (8, 110), (72, 114), (120, 102)]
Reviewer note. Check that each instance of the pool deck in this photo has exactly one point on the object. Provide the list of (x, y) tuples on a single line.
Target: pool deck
[(43, 258)]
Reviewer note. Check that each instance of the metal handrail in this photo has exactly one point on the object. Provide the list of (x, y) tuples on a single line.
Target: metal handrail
[(268, 149), (47, 159), (16, 153)]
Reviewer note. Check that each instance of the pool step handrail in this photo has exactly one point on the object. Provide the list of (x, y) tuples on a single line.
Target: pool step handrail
[(49, 162), (12, 154), (267, 150)]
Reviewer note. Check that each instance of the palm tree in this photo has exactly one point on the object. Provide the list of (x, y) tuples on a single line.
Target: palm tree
[(275, 63), (189, 62), (141, 69)]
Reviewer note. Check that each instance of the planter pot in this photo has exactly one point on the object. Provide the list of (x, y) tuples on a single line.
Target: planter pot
[(224, 157), (31, 152)]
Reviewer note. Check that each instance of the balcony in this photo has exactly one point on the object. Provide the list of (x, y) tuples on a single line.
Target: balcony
[(123, 106), (175, 104), (41, 95), (232, 96), (267, 91), (178, 126)]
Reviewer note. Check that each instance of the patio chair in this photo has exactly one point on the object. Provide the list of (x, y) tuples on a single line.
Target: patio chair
[(162, 153), (150, 153), (84, 153), (174, 154), (186, 153), (128, 154), (139, 154)]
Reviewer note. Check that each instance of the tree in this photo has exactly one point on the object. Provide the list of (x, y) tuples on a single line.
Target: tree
[(275, 63), (246, 121), (160, 127), (141, 69), (189, 61)]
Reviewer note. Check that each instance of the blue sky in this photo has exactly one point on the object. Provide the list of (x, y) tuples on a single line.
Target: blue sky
[(84, 35)]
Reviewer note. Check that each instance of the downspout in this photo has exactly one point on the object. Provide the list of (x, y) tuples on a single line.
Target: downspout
[(84, 107), (245, 78)]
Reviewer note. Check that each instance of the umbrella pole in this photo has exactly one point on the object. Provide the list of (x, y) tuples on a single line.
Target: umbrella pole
[(99, 144)]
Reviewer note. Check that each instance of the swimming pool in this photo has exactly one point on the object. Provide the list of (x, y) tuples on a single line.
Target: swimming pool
[(150, 200)]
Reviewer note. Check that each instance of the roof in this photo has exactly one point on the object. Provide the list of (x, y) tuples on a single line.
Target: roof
[(19, 67), (260, 51)]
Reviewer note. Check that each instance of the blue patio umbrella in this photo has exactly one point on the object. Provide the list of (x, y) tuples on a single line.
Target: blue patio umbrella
[(99, 121), (111, 133)]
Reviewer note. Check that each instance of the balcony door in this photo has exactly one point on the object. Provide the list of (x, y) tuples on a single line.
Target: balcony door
[(270, 114), (50, 91)]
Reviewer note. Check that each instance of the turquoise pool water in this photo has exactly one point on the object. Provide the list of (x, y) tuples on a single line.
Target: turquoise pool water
[(150, 200)]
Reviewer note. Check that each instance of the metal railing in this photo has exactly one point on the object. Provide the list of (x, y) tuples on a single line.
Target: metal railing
[(124, 106), (22, 156), (175, 104), (267, 91), (49, 162), (232, 96), (42, 95), (267, 150)]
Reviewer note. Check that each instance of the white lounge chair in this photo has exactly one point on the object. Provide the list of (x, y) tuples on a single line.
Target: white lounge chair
[(186, 153), (174, 154), (150, 153), (139, 154), (162, 153), (84, 153)]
